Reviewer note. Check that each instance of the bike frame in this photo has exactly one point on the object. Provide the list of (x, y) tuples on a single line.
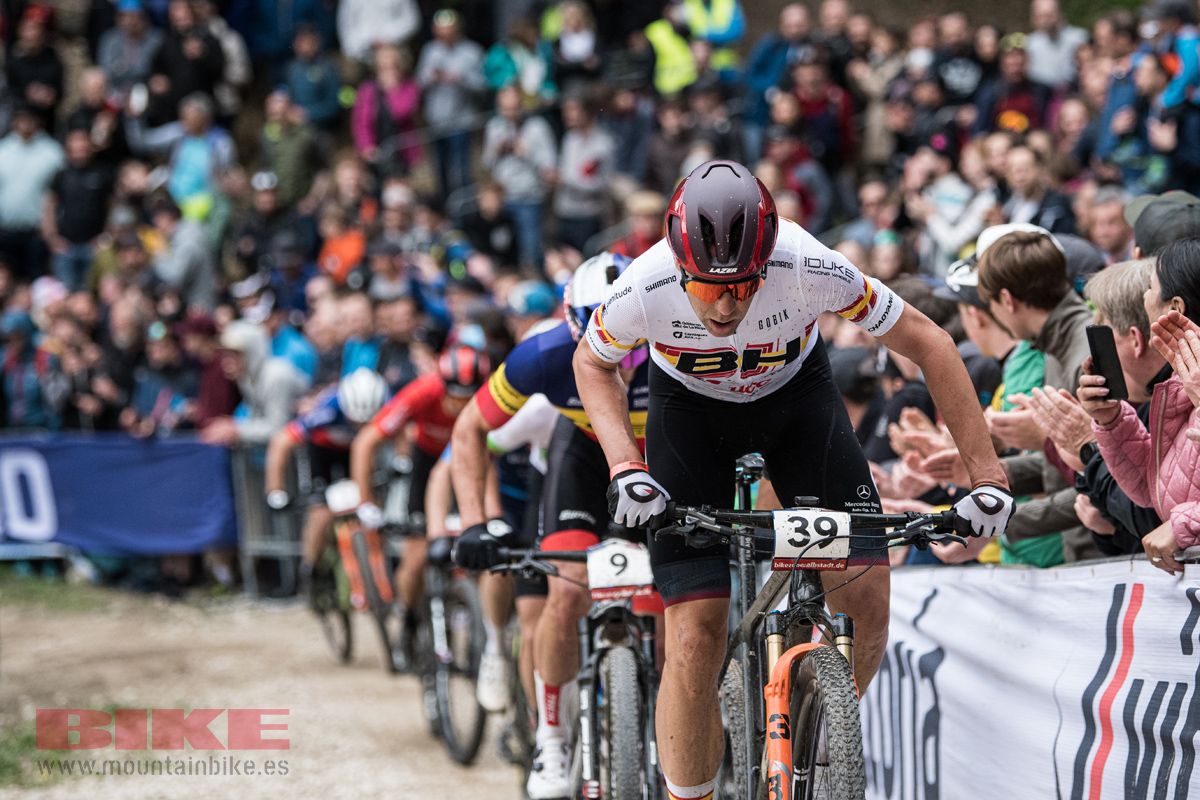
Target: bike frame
[(787, 636), (345, 529)]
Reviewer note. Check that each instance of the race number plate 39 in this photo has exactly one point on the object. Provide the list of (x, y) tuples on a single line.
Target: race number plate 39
[(618, 569), (811, 538)]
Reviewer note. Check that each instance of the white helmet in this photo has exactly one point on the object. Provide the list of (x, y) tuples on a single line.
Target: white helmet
[(589, 287), (361, 394)]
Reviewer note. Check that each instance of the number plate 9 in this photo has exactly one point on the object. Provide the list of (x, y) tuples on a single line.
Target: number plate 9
[(811, 538), (618, 569)]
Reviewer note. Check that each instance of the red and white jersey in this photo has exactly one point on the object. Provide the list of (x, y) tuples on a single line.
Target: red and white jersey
[(803, 279)]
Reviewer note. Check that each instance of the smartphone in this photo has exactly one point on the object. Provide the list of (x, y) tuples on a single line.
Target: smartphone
[(1105, 361)]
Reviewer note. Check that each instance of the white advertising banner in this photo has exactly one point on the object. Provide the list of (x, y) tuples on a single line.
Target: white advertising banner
[(1074, 683)]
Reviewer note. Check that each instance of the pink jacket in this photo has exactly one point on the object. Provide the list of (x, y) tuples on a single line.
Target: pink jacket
[(402, 103), (1159, 467)]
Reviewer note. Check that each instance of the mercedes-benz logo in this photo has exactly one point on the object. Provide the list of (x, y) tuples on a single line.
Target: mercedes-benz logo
[(864, 491)]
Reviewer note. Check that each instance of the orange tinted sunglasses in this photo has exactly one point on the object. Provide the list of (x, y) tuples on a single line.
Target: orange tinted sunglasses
[(711, 291)]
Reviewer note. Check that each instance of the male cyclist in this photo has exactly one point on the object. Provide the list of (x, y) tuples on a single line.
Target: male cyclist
[(728, 302), (430, 404), (574, 514), (328, 429)]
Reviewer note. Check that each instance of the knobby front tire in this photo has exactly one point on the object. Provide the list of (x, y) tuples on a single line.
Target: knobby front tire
[(827, 749), (332, 608), (737, 780), (462, 718), (621, 725)]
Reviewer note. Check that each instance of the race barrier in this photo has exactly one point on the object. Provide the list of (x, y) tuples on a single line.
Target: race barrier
[(1074, 683), (109, 494)]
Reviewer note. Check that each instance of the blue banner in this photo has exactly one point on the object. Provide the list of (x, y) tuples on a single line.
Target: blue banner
[(110, 494)]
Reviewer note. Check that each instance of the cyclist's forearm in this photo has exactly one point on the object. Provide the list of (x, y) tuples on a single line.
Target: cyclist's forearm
[(278, 453), (604, 398), (469, 464), (492, 506), (437, 499), (914, 335), (362, 461)]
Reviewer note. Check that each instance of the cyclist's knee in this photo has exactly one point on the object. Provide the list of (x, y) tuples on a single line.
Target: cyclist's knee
[(566, 603), (696, 642)]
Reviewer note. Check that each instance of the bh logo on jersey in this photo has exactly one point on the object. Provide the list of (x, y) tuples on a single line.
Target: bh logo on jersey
[(722, 362)]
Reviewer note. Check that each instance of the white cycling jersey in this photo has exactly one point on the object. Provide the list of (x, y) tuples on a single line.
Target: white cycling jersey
[(803, 279)]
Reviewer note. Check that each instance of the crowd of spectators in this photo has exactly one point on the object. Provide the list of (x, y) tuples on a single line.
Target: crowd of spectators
[(209, 211)]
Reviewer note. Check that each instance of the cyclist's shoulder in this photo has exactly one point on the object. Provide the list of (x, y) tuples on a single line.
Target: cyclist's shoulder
[(326, 407), (425, 387), (644, 282), (650, 265), (531, 363), (795, 245)]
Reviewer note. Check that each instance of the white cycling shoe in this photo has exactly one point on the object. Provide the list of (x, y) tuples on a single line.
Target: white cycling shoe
[(492, 685), (550, 778)]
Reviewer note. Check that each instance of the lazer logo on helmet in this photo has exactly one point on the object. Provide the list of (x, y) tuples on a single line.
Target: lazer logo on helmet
[(722, 362), (723, 270)]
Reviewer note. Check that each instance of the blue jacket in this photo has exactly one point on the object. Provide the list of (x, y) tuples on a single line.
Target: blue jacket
[(764, 69), (290, 344), (314, 86), (1185, 46), (1121, 94)]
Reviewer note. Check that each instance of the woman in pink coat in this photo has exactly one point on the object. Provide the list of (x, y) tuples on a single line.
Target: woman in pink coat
[(1158, 465), (384, 119)]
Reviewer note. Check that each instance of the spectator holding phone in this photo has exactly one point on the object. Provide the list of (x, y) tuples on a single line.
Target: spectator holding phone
[(1154, 462)]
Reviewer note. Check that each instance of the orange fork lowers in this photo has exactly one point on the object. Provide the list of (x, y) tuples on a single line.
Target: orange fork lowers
[(776, 695)]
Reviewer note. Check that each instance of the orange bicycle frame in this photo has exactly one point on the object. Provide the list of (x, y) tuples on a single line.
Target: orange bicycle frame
[(345, 531)]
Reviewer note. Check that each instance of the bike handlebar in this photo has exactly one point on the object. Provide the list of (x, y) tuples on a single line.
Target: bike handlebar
[(700, 524), (535, 562)]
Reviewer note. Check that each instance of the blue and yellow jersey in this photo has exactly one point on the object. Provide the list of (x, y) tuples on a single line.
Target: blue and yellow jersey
[(542, 363)]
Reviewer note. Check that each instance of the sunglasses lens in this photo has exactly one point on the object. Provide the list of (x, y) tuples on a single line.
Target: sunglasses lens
[(711, 292), (705, 292)]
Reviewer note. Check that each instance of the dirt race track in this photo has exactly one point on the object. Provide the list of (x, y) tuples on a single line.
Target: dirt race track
[(354, 731)]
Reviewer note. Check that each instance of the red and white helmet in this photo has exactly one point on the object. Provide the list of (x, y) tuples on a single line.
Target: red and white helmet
[(722, 223)]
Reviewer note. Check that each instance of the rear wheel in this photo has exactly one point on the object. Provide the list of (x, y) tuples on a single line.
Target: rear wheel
[(827, 750), (459, 652), (621, 725)]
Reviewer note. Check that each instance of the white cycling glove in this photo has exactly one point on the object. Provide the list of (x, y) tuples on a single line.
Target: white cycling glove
[(635, 499), (984, 512), (371, 516)]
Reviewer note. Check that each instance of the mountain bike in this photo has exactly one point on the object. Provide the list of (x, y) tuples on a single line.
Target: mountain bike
[(788, 699), (615, 753), (367, 567)]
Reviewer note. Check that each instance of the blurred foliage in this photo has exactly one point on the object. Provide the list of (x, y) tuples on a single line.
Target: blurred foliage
[(1085, 12), (18, 749), (53, 594)]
